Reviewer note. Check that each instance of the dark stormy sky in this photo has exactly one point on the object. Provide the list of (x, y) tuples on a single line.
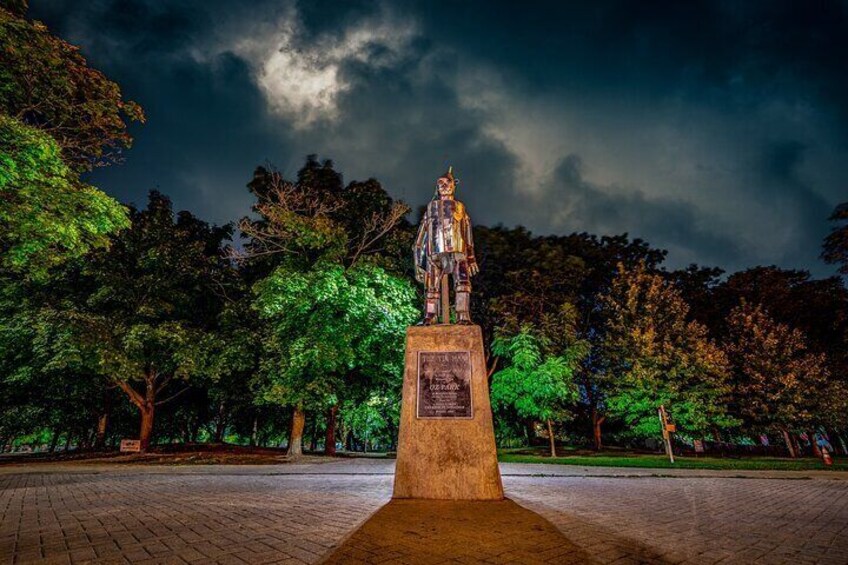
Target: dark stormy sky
[(716, 130)]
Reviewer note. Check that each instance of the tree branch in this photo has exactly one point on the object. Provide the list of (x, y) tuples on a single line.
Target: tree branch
[(494, 366), (173, 396), (135, 397)]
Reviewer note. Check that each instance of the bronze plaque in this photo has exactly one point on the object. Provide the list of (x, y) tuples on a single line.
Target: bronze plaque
[(444, 384)]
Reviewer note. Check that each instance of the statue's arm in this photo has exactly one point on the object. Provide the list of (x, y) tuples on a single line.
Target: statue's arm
[(473, 268), (420, 249)]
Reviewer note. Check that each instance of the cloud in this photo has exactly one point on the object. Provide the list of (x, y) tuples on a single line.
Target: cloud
[(718, 131), (302, 76), (573, 203)]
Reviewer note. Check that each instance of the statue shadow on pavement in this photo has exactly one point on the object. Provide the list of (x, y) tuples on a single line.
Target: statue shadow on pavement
[(436, 531)]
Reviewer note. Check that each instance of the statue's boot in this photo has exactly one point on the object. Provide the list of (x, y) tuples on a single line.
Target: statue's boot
[(431, 309), (463, 303)]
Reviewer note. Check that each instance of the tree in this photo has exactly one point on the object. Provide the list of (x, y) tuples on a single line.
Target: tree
[(538, 386), (234, 350), (58, 117), (776, 376), (836, 243), (330, 325), (337, 316), (654, 356), (818, 308), (47, 215), (552, 282), (47, 84), (142, 310)]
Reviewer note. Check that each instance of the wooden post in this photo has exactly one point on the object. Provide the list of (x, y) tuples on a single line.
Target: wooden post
[(445, 300), (666, 434)]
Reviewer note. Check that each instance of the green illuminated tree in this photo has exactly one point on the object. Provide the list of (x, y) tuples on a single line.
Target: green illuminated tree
[(331, 325), (47, 215), (539, 386), (337, 315)]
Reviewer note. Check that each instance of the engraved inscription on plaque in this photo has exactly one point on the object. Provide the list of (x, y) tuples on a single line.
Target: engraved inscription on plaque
[(444, 384)]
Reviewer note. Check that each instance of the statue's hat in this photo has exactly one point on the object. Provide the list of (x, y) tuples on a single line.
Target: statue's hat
[(449, 175)]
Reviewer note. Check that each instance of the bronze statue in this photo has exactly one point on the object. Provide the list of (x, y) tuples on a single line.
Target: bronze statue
[(444, 245)]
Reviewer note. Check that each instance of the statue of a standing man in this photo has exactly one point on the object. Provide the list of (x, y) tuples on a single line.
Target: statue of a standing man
[(444, 245)]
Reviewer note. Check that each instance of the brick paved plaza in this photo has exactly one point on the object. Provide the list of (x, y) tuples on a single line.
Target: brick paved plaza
[(303, 513)]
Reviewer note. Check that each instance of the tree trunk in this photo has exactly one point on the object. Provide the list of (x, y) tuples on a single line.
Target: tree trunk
[(254, 434), (67, 442), (296, 435), (100, 439), (530, 430), (146, 430), (815, 446), (88, 438), (330, 438), (596, 428), (841, 443), (220, 423), (103, 421), (789, 445), (313, 439), (55, 440), (551, 438)]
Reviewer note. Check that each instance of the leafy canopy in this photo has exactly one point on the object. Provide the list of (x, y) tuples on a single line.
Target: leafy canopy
[(654, 355), (46, 83), (777, 377), (537, 386), (328, 323), (47, 216)]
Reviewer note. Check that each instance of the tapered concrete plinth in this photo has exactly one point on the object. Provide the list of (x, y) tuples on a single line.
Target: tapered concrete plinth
[(452, 457), (446, 531)]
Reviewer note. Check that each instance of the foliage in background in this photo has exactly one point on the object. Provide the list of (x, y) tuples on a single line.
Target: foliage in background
[(778, 380), (836, 243), (655, 356), (47, 215), (336, 316), (539, 387), (328, 324), (47, 84), (140, 312)]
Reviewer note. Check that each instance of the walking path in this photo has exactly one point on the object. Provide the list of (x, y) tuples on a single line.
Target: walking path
[(305, 513)]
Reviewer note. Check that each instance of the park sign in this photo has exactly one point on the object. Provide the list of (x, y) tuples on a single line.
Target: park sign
[(444, 385), (130, 446)]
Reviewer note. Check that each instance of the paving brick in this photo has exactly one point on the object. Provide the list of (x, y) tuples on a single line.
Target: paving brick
[(300, 513)]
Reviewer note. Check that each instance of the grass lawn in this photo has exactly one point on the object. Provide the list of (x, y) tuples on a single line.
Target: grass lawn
[(655, 461)]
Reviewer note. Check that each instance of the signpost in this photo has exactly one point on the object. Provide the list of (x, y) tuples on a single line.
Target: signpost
[(130, 446), (667, 430)]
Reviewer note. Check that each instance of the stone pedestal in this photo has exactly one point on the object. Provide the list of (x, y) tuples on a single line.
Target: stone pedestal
[(446, 444)]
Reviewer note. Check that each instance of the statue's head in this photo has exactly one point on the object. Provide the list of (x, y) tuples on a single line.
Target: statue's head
[(446, 185)]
